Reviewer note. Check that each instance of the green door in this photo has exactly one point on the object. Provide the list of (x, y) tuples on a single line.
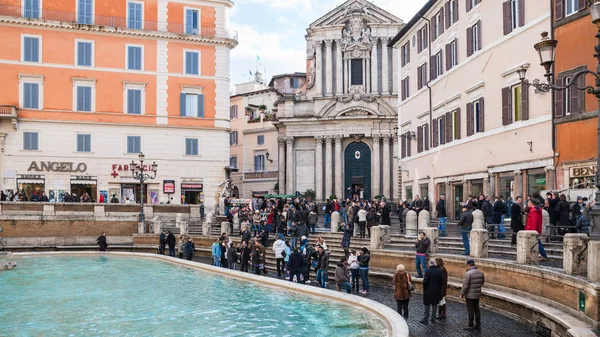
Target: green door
[(357, 171)]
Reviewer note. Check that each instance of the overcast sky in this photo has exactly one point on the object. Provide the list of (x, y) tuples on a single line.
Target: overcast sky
[(274, 30)]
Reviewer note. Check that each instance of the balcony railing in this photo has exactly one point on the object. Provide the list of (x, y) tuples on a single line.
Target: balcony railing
[(8, 111), (261, 175), (115, 22)]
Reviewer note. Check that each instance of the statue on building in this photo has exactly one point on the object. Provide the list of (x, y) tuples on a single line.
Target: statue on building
[(312, 71), (227, 188)]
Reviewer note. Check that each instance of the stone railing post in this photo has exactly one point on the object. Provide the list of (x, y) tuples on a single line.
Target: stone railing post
[(380, 235), (156, 225), (479, 244), (335, 222), (545, 224), (433, 234), (194, 211), (575, 254), (411, 223), (478, 219), (236, 223), (99, 210), (210, 218), (206, 228), (48, 210), (424, 219), (225, 227), (593, 261), (525, 241)]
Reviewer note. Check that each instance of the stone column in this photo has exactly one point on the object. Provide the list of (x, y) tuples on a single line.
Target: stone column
[(328, 73), (385, 88), (479, 244), (367, 75), (290, 171), (376, 167), (347, 62), (281, 162), (526, 240), (374, 70), (339, 188), (339, 68), (394, 66), (328, 167), (319, 70), (386, 167), (575, 254), (395, 170), (319, 168)]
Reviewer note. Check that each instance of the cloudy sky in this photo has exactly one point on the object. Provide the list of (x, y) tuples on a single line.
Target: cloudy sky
[(275, 29)]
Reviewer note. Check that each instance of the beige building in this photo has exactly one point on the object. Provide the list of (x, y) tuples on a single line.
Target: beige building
[(253, 137), (467, 125)]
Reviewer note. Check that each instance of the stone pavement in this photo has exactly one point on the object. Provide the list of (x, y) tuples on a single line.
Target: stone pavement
[(493, 324)]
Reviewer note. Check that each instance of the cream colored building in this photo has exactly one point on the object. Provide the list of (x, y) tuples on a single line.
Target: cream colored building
[(253, 138), (467, 125)]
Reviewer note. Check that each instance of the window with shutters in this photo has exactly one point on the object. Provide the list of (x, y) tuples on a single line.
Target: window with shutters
[(471, 4), (84, 56), (233, 162), (191, 104), (572, 6), (259, 163), (135, 15), (191, 63), (191, 146), (422, 138), (441, 131), (356, 72), (260, 140), (32, 9), (405, 53), (566, 96), (84, 143), (569, 101), (192, 21), (31, 46), (405, 140), (451, 54), (31, 96), (513, 13), (515, 103), (438, 25), (294, 83), (405, 88), (233, 138), (436, 65), (478, 116), (85, 10), (134, 101), (30, 141), (421, 76), (135, 58), (233, 112), (451, 8), (473, 38), (455, 125), (134, 144), (516, 106), (422, 39)]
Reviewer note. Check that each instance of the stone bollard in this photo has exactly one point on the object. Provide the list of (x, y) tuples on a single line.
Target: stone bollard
[(48, 209), (575, 254), (98, 210), (526, 240), (335, 222), (424, 219), (478, 240), (411, 223), (593, 261), (156, 225), (433, 234), (178, 219), (545, 224), (236, 223), (206, 228), (478, 219), (225, 227), (380, 235), (195, 211), (184, 227), (210, 218), (141, 227)]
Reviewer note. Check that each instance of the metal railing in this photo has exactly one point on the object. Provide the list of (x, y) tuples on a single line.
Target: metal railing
[(115, 22)]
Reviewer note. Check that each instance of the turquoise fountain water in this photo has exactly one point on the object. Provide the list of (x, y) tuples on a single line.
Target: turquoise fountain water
[(125, 296)]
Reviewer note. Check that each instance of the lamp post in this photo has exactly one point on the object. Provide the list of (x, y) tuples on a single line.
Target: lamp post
[(138, 171), (546, 50), (399, 187)]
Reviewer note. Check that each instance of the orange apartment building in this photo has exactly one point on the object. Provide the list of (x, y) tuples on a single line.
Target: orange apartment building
[(86, 85), (575, 116)]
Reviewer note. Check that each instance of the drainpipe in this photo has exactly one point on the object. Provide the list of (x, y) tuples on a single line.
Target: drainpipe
[(428, 87)]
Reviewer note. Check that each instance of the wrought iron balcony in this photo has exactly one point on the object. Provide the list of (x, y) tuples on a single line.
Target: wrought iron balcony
[(114, 22)]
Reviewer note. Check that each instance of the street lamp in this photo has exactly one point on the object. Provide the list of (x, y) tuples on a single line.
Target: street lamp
[(546, 50), (138, 173)]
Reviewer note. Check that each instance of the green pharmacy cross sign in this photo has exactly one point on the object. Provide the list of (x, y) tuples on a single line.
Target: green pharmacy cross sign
[(581, 301)]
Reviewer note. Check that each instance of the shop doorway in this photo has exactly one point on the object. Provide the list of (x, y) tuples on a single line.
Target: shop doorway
[(82, 188), (458, 194), (357, 171)]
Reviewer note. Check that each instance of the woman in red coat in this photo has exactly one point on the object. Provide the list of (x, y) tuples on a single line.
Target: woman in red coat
[(534, 223)]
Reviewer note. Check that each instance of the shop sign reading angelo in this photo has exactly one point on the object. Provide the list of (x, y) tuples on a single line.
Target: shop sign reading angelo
[(55, 166)]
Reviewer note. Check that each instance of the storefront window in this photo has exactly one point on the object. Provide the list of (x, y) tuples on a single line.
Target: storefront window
[(27, 185), (536, 182), (130, 193), (506, 186), (82, 186), (409, 193), (583, 182)]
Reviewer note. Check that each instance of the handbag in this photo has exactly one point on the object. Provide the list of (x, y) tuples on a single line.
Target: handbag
[(411, 287)]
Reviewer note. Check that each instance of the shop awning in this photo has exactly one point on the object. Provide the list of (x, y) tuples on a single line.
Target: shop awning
[(30, 181), (83, 182)]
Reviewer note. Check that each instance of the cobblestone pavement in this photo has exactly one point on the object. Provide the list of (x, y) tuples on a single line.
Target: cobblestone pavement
[(493, 324)]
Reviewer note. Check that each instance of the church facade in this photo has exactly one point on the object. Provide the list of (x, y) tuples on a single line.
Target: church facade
[(338, 132)]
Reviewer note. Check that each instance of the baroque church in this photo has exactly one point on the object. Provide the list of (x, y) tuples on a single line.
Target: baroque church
[(336, 133)]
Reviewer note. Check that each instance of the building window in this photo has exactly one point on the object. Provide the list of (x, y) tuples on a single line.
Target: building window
[(405, 140), (572, 6), (451, 54), (84, 98), (423, 138), (192, 63), (405, 53), (422, 39), (409, 193), (191, 146), (356, 71), (473, 38), (475, 117), (84, 12), (31, 49), (192, 21), (135, 13), (191, 105), (471, 4), (451, 8), (84, 143), (30, 141), (134, 144), (135, 59), (293, 83), (422, 76), (233, 162), (259, 163), (438, 25), (84, 54), (513, 13), (569, 101), (405, 88), (260, 140), (31, 9), (233, 112), (31, 96), (134, 101), (436, 65), (233, 138), (515, 105)]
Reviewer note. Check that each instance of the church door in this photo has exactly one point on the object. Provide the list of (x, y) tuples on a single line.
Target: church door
[(357, 171)]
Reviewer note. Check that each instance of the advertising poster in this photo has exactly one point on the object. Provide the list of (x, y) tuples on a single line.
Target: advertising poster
[(105, 195)]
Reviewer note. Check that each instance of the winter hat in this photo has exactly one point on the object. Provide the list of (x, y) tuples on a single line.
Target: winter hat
[(432, 263), (470, 262)]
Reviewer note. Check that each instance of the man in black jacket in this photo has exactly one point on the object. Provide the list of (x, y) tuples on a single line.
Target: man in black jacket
[(171, 243), (466, 223), (327, 216), (296, 266), (440, 207), (516, 219), (385, 214), (422, 246)]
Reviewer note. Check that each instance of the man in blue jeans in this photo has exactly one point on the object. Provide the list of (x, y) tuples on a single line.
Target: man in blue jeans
[(422, 246), (327, 216), (440, 207), (322, 265), (466, 223)]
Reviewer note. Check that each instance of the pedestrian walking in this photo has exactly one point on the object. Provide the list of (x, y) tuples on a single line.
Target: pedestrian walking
[(516, 219), (466, 224), (364, 257), (322, 265), (432, 291), (534, 223), (181, 247), (440, 207), (101, 240), (402, 289), (422, 246), (171, 243), (471, 291), (278, 248), (442, 305), (216, 253), (189, 249)]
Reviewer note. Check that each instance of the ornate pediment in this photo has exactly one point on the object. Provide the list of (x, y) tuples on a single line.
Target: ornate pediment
[(356, 105), (354, 8)]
